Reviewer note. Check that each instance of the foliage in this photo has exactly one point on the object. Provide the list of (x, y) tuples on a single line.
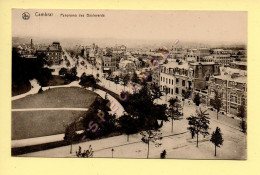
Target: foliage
[(242, 114), (106, 124), (126, 78), (141, 106), (153, 136), (135, 78), (199, 123), (128, 125), (156, 92), (217, 139), (217, 103), (70, 74), (70, 134), (63, 71), (88, 81), (174, 110), (196, 99), (27, 69)]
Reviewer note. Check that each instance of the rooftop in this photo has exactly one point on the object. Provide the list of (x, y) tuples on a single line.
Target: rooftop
[(240, 79)]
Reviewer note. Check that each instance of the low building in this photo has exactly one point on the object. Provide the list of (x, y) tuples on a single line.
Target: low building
[(239, 65)]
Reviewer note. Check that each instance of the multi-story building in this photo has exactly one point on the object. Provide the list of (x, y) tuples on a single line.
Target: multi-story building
[(232, 89), (109, 63), (196, 54), (53, 53), (223, 59), (177, 78), (156, 76)]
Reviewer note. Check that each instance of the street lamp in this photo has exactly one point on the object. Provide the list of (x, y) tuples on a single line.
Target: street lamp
[(112, 151)]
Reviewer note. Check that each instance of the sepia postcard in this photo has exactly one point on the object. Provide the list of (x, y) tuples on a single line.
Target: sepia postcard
[(151, 84)]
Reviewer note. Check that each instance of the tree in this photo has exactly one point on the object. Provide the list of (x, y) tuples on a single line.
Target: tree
[(126, 78), (196, 99), (166, 91), (68, 63), (128, 125), (217, 103), (199, 123), (88, 81), (63, 71), (141, 106), (70, 134), (185, 95), (217, 139), (242, 114), (71, 74), (116, 80), (135, 78), (156, 92), (151, 136), (174, 110)]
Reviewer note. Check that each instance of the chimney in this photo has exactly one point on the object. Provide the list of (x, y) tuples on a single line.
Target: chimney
[(31, 43)]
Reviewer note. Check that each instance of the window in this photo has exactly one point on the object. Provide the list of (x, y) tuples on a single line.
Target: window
[(177, 91), (163, 79), (233, 98), (169, 81), (172, 91), (183, 82), (177, 80), (166, 80), (172, 82)]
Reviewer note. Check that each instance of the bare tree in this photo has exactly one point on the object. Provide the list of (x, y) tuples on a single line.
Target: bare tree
[(151, 136)]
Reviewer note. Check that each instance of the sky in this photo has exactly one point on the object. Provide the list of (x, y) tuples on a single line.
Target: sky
[(212, 26)]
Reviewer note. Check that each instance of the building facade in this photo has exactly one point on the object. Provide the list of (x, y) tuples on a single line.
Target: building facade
[(53, 53)]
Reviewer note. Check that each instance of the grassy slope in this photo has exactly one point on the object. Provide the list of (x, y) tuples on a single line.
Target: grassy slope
[(43, 123), (57, 98)]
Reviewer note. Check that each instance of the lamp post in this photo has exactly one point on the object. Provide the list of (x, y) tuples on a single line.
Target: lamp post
[(112, 150)]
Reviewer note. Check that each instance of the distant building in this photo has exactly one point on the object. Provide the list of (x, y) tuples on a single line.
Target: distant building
[(239, 65), (223, 59), (196, 54), (127, 67), (109, 64), (53, 53)]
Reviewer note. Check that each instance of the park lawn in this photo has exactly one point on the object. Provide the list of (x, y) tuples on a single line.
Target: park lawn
[(72, 97), (29, 124)]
